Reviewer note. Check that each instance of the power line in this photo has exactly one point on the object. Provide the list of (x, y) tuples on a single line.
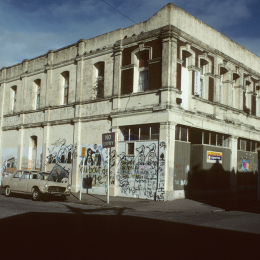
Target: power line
[(124, 15)]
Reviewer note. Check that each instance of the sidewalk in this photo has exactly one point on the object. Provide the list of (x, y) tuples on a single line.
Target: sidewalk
[(240, 201)]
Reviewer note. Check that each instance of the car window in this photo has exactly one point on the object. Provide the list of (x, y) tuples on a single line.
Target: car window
[(33, 176), (39, 176), (26, 175), (18, 174)]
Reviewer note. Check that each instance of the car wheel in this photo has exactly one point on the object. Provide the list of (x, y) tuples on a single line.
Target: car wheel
[(8, 192), (36, 194)]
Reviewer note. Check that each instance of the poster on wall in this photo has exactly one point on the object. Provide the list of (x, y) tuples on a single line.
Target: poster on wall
[(214, 157), (245, 165)]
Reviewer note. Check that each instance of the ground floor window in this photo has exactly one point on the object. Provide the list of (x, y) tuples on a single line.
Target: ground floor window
[(139, 132), (247, 145)]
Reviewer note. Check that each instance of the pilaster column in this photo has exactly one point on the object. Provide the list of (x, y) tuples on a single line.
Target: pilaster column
[(24, 95), (48, 70), (79, 81), (46, 132), (169, 59), (3, 102), (169, 66), (117, 75), (76, 176), (233, 163), (20, 148), (239, 97), (167, 134)]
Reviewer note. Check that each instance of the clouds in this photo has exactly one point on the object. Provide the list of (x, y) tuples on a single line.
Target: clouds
[(30, 28)]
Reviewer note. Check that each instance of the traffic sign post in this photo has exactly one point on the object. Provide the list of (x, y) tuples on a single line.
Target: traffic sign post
[(108, 141)]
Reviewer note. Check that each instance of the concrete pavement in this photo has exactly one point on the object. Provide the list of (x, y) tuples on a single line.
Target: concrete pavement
[(240, 201)]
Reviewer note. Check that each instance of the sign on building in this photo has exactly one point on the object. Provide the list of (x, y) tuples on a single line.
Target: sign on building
[(108, 140), (214, 157)]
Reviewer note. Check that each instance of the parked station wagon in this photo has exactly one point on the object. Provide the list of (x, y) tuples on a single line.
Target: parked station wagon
[(35, 183)]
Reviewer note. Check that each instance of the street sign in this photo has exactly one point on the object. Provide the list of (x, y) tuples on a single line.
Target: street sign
[(108, 140)]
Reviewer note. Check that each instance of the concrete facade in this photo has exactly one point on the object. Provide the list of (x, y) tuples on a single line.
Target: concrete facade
[(182, 99)]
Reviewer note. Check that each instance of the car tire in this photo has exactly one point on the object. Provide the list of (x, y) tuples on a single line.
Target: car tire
[(8, 192), (36, 195)]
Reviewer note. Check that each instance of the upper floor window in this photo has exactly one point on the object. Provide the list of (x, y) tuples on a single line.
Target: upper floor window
[(200, 79), (13, 98), (141, 71), (65, 84), (37, 87), (223, 75), (98, 88), (246, 107)]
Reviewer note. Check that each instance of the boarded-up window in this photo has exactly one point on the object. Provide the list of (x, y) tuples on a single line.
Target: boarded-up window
[(178, 78), (253, 111), (127, 81), (211, 89)]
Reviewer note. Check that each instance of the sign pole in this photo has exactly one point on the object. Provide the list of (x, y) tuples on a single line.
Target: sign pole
[(81, 183), (108, 170), (108, 141)]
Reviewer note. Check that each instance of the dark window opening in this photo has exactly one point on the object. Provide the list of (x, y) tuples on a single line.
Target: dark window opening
[(130, 148), (140, 132), (181, 133)]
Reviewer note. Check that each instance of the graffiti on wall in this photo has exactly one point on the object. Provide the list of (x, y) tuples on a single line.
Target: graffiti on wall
[(8, 161), (60, 152), (93, 165), (142, 175)]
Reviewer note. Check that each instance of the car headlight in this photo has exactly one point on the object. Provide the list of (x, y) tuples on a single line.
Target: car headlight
[(69, 187), (46, 184)]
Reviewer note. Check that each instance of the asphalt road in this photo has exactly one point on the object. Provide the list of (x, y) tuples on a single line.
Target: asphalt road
[(55, 229)]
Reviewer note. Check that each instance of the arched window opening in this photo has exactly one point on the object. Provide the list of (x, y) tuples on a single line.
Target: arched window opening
[(65, 85), (223, 72), (143, 70), (98, 88), (37, 87), (185, 59), (13, 98), (34, 152)]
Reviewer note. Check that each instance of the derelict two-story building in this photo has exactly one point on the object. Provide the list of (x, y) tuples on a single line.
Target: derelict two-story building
[(182, 99)]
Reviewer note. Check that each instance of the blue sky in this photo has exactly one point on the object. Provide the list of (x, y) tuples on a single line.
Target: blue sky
[(29, 28)]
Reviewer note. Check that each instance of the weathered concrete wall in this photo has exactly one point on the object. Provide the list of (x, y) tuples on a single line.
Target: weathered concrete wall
[(247, 165), (181, 165), (206, 175)]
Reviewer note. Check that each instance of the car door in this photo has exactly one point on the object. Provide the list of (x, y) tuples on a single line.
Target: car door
[(23, 183), (13, 183), (33, 181)]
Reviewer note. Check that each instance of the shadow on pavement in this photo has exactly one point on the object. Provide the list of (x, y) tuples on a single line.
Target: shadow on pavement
[(241, 201), (108, 234)]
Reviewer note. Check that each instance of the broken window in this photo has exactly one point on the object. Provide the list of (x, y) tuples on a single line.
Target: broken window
[(65, 83), (98, 88)]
